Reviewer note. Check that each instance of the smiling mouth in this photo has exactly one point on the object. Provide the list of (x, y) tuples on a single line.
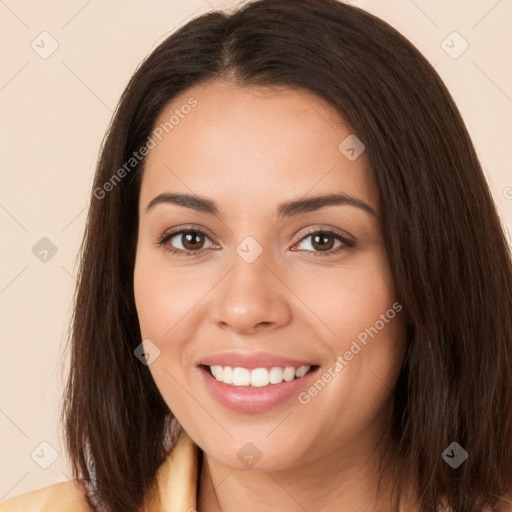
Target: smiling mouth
[(257, 377)]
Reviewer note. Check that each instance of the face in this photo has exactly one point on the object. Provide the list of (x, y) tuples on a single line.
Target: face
[(251, 280)]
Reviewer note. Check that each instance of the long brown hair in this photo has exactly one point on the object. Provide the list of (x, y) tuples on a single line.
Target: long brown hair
[(446, 247)]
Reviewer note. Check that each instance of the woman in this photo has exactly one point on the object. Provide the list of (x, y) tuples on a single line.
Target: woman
[(295, 289)]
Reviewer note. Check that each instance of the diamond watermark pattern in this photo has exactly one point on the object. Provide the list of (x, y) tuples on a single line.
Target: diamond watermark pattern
[(351, 147), (454, 45), (44, 455), (249, 249), (454, 455), (44, 250), (249, 455), (147, 352), (44, 45)]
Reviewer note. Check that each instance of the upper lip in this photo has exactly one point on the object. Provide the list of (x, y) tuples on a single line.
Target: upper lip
[(252, 360)]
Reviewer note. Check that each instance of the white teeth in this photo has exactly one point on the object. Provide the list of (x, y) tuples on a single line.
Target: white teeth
[(258, 377), (241, 376), (228, 375), (301, 371), (217, 371), (289, 373), (276, 375)]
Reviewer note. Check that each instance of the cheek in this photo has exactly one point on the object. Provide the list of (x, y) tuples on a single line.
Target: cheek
[(351, 298), (162, 302), (366, 329), (163, 297), (168, 301)]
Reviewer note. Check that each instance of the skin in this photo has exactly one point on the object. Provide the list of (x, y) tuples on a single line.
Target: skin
[(248, 150)]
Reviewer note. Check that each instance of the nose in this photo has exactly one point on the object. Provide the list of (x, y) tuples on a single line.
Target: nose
[(252, 297)]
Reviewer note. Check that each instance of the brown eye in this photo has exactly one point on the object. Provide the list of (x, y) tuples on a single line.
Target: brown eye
[(192, 240), (323, 243), (186, 242)]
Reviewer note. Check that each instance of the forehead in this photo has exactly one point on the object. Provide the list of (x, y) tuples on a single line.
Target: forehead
[(265, 143)]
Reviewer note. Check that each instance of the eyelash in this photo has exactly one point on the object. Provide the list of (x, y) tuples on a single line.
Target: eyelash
[(347, 244)]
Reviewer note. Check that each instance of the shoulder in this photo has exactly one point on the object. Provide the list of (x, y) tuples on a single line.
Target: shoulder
[(61, 497)]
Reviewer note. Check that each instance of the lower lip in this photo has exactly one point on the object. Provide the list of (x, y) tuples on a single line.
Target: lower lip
[(252, 399)]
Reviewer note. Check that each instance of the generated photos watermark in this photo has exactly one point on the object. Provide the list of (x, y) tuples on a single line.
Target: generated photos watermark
[(357, 345), (143, 151)]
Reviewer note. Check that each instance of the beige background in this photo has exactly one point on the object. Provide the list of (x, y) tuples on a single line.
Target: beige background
[(54, 114)]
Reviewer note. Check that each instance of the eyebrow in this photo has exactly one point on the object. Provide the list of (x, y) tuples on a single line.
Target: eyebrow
[(286, 209)]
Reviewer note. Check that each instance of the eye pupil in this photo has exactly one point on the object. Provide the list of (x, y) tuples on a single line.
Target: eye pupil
[(319, 241), (192, 238)]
